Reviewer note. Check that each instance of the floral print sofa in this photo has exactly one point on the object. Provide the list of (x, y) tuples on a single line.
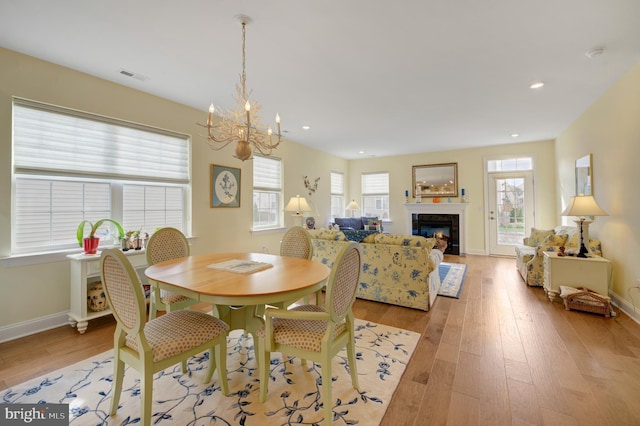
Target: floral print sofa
[(396, 269), (530, 255)]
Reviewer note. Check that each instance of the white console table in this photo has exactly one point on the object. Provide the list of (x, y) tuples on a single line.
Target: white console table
[(85, 271), (593, 273)]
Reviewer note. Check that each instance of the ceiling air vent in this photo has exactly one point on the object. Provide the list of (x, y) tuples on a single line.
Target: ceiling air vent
[(134, 75)]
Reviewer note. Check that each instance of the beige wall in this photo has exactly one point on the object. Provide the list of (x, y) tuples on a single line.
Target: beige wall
[(470, 176), (610, 130), (38, 291)]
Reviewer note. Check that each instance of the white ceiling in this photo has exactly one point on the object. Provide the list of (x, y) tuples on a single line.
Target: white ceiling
[(385, 77)]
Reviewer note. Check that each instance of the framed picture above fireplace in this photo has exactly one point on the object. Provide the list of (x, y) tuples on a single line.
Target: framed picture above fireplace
[(435, 180)]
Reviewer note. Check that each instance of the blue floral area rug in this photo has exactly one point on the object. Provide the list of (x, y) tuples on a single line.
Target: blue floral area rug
[(451, 279), (182, 399)]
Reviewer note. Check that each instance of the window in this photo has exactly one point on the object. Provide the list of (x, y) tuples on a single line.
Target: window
[(71, 166), (267, 192), (510, 164), (152, 206), (375, 195), (337, 195)]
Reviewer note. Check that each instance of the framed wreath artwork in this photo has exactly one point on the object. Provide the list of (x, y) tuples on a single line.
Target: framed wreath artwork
[(225, 186)]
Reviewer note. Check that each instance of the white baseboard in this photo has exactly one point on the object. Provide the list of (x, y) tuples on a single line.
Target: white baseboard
[(37, 325), (625, 307), (476, 252)]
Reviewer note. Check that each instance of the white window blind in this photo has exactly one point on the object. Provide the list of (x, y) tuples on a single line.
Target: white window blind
[(375, 195), (337, 183), (71, 166), (337, 194), (375, 183), (49, 211), (149, 207), (267, 192), (54, 139), (267, 173)]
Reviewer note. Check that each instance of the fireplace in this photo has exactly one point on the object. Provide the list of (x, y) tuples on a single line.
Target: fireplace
[(439, 210), (441, 226)]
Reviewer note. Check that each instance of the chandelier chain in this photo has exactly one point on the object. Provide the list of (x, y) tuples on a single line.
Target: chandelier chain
[(244, 55)]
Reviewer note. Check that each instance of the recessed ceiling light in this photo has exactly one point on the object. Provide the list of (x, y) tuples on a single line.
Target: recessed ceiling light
[(306, 127), (361, 152), (514, 135), (536, 85)]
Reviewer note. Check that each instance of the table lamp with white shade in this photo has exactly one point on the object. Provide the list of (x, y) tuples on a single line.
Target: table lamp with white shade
[(353, 206), (582, 206), (299, 206)]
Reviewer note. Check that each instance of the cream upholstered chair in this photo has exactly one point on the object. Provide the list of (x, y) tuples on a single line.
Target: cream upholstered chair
[(152, 346), (316, 333), (166, 244), (296, 242)]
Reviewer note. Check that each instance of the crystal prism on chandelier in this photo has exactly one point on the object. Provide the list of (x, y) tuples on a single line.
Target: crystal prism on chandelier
[(242, 125)]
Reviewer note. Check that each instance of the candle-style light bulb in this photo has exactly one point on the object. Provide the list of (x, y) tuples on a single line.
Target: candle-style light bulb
[(277, 118), (210, 117), (247, 106)]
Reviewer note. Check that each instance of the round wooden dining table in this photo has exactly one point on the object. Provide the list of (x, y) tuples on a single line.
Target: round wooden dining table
[(237, 295)]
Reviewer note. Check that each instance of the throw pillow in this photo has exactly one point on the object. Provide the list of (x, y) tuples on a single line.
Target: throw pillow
[(573, 245), (372, 221), (574, 241), (432, 242), (349, 222), (403, 240), (537, 236), (555, 240), (371, 238)]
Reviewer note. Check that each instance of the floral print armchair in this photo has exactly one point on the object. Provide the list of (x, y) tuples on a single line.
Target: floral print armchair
[(530, 255)]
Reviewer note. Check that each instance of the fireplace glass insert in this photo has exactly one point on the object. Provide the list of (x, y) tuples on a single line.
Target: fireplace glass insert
[(445, 228)]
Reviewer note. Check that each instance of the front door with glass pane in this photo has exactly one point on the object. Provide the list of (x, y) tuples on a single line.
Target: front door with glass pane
[(510, 210)]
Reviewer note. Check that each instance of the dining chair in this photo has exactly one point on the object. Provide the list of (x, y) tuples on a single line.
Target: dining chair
[(314, 332), (296, 242), (166, 244), (151, 346)]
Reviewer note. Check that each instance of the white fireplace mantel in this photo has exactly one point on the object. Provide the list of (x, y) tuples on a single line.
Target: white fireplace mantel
[(439, 208)]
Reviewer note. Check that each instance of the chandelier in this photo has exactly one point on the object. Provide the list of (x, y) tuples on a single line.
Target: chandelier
[(242, 125)]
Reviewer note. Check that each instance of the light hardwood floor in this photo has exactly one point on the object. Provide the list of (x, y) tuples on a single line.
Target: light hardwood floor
[(502, 354)]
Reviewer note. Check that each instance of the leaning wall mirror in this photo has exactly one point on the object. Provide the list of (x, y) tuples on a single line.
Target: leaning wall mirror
[(435, 180), (584, 169)]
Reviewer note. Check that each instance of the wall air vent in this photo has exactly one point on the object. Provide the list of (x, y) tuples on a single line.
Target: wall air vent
[(134, 75)]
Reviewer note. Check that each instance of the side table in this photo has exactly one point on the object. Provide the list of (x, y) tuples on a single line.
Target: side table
[(85, 271), (593, 273)]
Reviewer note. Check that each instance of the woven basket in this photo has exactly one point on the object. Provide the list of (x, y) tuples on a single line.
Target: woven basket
[(588, 301), (96, 298)]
